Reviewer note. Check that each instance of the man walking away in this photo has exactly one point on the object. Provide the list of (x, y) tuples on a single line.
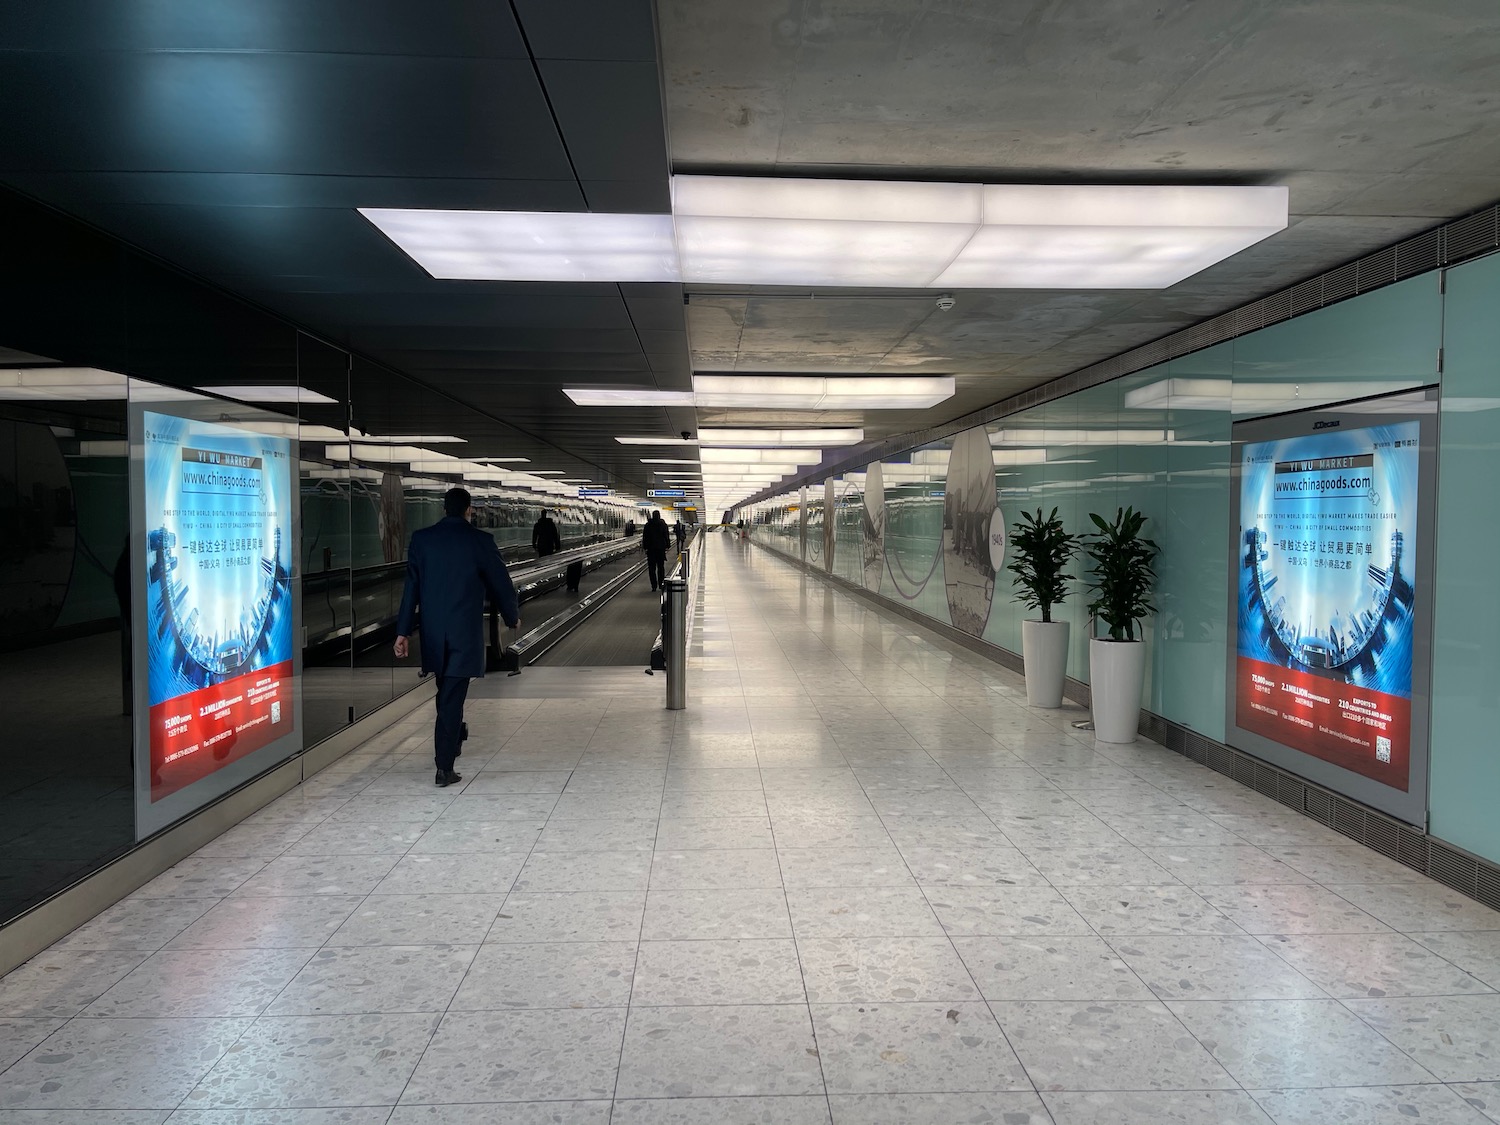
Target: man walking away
[(544, 536), (656, 540), (679, 529), (450, 566)]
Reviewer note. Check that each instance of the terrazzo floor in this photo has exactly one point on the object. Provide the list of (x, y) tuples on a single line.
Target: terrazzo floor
[(857, 881)]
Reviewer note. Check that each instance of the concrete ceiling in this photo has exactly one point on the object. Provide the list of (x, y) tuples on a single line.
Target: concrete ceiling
[(1380, 117)]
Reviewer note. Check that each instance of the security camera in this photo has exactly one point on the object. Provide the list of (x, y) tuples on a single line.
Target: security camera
[(686, 434), (946, 303)]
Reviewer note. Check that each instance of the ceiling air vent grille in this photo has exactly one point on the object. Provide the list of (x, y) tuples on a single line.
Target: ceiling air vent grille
[(1341, 283), (1473, 235), (1376, 270), (1420, 254)]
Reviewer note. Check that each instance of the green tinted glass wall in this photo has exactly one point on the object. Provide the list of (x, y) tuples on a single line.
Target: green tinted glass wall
[(1465, 768)]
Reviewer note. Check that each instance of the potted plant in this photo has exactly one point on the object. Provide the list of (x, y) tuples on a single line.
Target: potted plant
[(1041, 549), (1120, 582)]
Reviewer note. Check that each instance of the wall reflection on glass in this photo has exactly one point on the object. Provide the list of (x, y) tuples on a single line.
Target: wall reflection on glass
[(66, 780)]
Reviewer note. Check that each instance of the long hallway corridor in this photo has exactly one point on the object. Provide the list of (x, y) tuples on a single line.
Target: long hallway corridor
[(857, 881)]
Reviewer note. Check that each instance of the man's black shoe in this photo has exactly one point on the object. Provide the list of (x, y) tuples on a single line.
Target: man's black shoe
[(446, 778)]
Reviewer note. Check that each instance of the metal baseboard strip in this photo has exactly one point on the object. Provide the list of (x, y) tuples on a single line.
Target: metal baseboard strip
[(28, 934), (1469, 874)]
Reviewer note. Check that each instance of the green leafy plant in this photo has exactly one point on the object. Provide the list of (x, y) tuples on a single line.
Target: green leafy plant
[(1041, 550), (1122, 574)]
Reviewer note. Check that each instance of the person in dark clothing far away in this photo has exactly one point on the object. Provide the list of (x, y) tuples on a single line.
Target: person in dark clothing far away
[(679, 530), (656, 541), (450, 566), (544, 536)]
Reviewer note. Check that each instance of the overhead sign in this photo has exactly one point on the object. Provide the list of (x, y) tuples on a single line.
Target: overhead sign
[(683, 504), (586, 492), (663, 493)]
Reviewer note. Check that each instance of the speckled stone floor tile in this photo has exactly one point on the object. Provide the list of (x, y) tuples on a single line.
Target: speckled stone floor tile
[(1334, 1047), (707, 1051), (1371, 1105), (1049, 968), (119, 1063), (729, 971), (573, 974), (322, 1061), (900, 1048)]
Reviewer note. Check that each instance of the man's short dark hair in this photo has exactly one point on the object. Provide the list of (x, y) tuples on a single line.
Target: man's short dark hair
[(457, 501), (656, 515)]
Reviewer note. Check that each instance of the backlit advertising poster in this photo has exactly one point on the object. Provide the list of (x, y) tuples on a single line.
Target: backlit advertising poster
[(1329, 659), (219, 636)]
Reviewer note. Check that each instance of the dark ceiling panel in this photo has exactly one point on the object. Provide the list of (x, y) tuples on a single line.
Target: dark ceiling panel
[(589, 29), (440, 28), (627, 144), (345, 115)]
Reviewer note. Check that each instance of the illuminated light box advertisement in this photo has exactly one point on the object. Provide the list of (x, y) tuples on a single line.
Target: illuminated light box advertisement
[(218, 614), (1329, 595)]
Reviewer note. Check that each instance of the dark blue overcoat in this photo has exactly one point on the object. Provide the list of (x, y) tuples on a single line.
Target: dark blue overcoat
[(450, 567)]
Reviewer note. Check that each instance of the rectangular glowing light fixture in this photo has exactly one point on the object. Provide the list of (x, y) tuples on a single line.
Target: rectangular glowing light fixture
[(751, 230), (788, 456), (746, 230), (666, 461), (656, 441), (73, 384), (731, 438), (780, 392), (809, 392), (276, 393), (627, 396), (533, 245)]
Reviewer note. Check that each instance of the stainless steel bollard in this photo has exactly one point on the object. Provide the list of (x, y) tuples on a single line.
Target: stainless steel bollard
[(674, 642)]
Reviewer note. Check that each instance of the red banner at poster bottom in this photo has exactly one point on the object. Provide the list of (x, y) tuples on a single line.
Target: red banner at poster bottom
[(1367, 732), (204, 730)]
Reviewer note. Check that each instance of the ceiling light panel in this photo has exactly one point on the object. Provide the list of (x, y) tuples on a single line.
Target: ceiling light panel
[(627, 396), (533, 245), (790, 456), (276, 393), (656, 441), (731, 438), (786, 231)]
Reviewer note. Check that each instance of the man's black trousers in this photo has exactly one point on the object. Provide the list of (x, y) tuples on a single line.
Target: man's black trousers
[(448, 731), (656, 566)]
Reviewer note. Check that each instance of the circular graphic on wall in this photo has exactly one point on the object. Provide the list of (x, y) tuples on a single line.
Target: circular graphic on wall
[(872, 524), (971, 515)]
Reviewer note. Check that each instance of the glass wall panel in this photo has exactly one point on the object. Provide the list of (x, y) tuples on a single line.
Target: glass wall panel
[(1465, 770), (66, 800)]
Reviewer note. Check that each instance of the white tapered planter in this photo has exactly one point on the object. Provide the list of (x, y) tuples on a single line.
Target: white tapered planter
[(1044, 648), (1117, 671)]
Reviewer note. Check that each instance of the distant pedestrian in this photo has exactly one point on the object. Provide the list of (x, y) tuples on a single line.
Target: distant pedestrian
[(450, 566), (544, 536), (679, 529), (656, 540)]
